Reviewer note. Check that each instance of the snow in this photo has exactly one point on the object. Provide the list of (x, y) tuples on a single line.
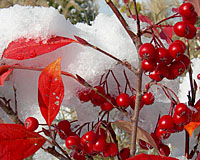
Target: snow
[(107, 33)]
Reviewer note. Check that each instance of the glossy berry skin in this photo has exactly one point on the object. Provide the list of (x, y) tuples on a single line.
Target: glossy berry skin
[(181, 29), (164, 150), (148, 98), (88, 148), (162, 134), (191, 20), (181, 120), (111, 150), (186, 10), (182, 109), (163, 56), (147, 51), (96, 99), (123, 100), (64, 126), (31, 124), (162, 70), (176, 50), (78, 156), (100, 145), (124, 153), (177, 68), (107, 106), (155, 76), (88, 137), (144, 145), (166, 123), (198, 76), (148, 65), (84, 95), (181, 42), (186, 60), (72, 142)]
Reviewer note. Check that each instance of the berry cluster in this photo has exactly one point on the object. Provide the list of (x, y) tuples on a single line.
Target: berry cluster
[(123, 100), (164, 63), (167, 125), (186, 28)]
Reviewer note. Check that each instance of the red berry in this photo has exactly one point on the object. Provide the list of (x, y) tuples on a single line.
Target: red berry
[(147, 51), (162, 134), (148, 98), (78, 156), (97, 99), (180, 42), (177, 68), (64, 126), (155, 76), (191, 31), (179, 128), (132, 102), (176, 50), (124, 153), (84, 95), (181, 29), (88, 137), (191, 20), (100, 145), (148, 65), (166, 123), (181, 120), (185, 59), (111, 150), (162, 70), (123, 100), (163, 56), (88, 148), (186, 10), (164, 150), (182, 109), (31, 124), (198, 76), (72, 142), (107, 106)]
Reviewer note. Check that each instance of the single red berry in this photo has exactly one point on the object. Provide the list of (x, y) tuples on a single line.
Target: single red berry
[(111, 150), (164, 150), (64, 126), (72, 142), (78, 156), (88, 137), (186, 60), (181, 42), (179, 128), (191, 31), (31, 124), (181, 120), (84, 95), (162, 70), (147, 51), (198, 76), (107, 106), (181, 29), (132, 102), (154, 75), (124, 153), (191, 20), (100, 145), (177, 68), (88, 148), (186, 10), (182, 109), (97, 99), (162, 134), (123, 100), (148, 65), (144, 145), (148, 98), (176, 50), (166, 123), (163, 56)]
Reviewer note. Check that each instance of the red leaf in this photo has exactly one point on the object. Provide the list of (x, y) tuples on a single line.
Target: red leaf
[(50, 91), (143, 18), (17, 143), (166, 34), (5, 71), (23, 48), (143, 156)]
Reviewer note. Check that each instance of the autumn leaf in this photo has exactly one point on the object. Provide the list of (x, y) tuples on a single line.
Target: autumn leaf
[(195, 122), (166, 34), (5, 71), (143, 156), (17, 143), (141, 133), (50, 91), (24, 48)]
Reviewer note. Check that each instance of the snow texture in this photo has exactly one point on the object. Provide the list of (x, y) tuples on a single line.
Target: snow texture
[(106, 32)]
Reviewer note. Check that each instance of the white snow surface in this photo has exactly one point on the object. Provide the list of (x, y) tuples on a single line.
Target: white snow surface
[(107, 33)]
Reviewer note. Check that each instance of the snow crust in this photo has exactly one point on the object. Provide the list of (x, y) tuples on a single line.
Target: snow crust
[(107, 33)]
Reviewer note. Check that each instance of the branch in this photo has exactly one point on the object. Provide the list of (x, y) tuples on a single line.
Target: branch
[(56, 154)]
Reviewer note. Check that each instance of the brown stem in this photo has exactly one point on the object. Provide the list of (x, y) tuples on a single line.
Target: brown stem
[(56, 154)]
